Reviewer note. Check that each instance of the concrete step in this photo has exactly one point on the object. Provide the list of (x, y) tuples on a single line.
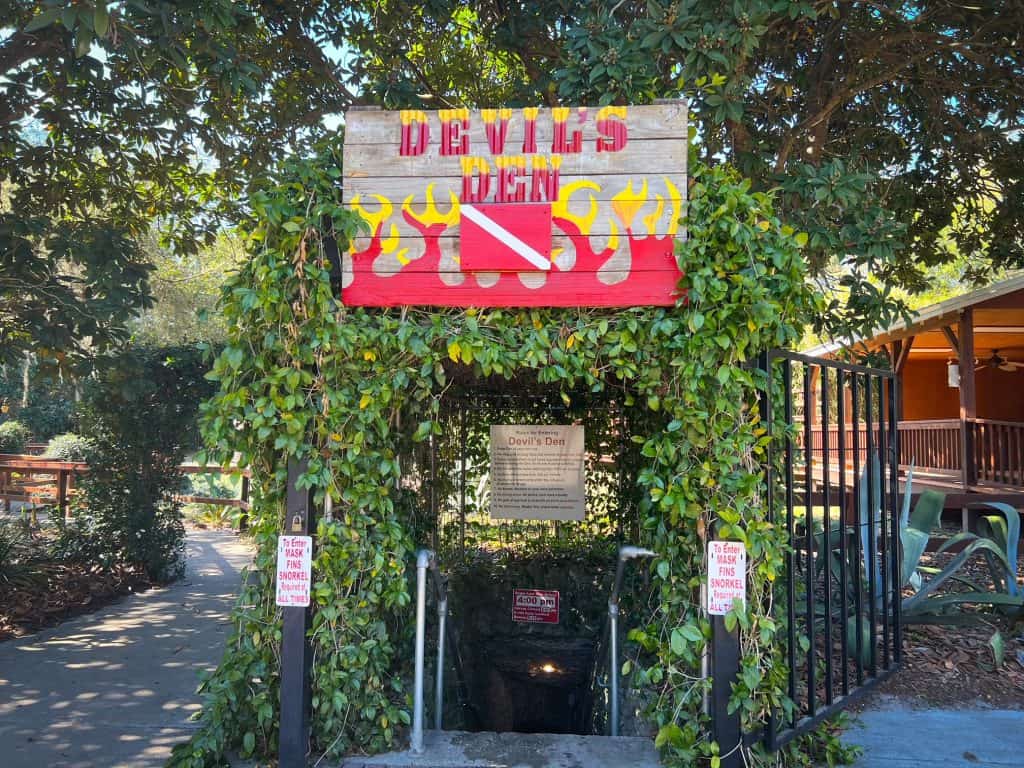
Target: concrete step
[(459, 749)]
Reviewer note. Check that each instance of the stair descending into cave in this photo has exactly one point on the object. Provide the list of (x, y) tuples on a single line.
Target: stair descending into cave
[(461, 749)]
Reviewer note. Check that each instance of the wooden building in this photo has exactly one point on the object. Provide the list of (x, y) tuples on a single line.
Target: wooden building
[(960, 365)]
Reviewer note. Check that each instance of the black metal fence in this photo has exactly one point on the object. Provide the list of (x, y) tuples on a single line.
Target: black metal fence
[(839, 603)]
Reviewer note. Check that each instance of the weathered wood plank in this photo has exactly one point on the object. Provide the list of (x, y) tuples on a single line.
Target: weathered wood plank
[(638, 158), (589, 254), (654, 121), (398, 189), (569, 289)]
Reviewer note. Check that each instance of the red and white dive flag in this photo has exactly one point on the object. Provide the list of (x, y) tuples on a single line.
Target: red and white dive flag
[(499, 237)]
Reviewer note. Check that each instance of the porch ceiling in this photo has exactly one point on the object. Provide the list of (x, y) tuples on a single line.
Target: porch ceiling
[(994, 329)]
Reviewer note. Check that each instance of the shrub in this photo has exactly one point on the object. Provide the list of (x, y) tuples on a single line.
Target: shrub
[(139, 416), (13, 437), (69, 447)]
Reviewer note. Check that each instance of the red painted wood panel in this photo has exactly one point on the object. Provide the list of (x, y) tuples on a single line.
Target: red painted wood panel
[(493, 237)]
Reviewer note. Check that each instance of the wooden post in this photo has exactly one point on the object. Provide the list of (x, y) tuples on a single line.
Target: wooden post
[(62, 494), (243, 518), (968, 402), (725, 671), (296, 654)]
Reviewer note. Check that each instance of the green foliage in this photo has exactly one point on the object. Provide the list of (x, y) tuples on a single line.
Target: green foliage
[(346, 387), (139, 416), (45, 405), (22, 559), (69, 447), (13, 437)]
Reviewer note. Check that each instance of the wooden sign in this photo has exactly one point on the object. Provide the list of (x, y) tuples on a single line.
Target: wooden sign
[(515, 207)]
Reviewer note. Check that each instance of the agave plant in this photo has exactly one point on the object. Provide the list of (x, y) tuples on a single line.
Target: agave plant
[(997, 541)]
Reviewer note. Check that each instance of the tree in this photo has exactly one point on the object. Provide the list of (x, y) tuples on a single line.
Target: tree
[(891, 129), (114, 116)]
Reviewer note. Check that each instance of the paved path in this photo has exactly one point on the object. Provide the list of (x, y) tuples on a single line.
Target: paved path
[(894, 735), (115, 688)]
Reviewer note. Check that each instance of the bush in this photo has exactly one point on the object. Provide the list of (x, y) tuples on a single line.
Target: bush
[(69, 447), (13, 437), (139, 416)]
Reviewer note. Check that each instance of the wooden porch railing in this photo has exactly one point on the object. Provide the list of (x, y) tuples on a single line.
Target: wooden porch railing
[(998, 451), (935, 445)]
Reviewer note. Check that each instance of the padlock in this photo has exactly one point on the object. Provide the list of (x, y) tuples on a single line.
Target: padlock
[(297, 524)]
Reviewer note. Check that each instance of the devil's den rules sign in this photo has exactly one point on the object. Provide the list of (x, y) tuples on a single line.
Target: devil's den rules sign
[(537, 472), (294, 570), (727, 575), (515, 207)]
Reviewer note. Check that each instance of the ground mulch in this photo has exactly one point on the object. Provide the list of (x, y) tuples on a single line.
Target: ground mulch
[(955, 666), (65, 591)]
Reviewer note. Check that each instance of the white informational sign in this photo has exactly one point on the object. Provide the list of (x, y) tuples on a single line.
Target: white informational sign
[(727, 575), (537, 472), (294, 570)]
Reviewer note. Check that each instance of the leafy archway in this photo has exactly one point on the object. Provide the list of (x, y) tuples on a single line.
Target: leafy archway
[(354, 390)]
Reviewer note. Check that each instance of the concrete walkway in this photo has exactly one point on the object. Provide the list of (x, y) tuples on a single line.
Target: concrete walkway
[(894, 735), (115, 688)]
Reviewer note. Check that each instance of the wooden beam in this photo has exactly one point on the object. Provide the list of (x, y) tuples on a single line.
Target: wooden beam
[(954, 343), (904, 353), (968, 400)]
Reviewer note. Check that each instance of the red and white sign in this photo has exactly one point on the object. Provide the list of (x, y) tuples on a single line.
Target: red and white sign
[(535, 606), (294, 570), (505, 237), (727, 575), (526, 207)]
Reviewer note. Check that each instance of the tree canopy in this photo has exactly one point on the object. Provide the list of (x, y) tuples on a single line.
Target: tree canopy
[(891, 130)]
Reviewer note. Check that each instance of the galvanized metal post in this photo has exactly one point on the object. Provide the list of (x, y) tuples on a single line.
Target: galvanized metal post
[(442, 617), (423, 558), (627, 552), (296, 655)]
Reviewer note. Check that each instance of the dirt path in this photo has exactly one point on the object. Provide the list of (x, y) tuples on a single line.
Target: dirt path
[(115, 688)]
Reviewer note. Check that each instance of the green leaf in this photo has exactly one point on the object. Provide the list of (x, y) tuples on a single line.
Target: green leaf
[(44, 19), (101, 19), (248, 743), (998, 648)]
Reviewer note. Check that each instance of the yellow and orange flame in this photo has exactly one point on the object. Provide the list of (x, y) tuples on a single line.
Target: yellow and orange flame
[(431, 215), (376, 220)]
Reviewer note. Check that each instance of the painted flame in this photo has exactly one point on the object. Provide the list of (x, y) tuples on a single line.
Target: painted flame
[(431, 215), (677, 204), (376, 220), (627, 203), (560, 208)]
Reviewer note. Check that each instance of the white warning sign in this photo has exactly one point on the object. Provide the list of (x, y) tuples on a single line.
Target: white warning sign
[(727, 575), (294, 570)]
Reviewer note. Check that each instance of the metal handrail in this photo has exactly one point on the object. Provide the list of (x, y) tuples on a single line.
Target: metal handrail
[(427, 559), (627, 552)]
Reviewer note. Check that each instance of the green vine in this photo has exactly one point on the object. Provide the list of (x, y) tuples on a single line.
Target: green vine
[(357, 391)]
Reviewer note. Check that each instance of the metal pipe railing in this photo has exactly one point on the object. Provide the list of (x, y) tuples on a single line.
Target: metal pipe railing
[(426, 559), (423, 559), (625, 553)]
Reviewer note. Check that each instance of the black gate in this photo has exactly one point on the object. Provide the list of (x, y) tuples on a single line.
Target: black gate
[(834, 483)]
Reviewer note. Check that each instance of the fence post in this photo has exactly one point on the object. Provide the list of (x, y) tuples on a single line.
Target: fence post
[(725, 670), (296, 654), (243, 519)]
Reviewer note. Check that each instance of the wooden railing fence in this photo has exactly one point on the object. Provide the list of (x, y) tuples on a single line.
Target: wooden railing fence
[(35, 480)]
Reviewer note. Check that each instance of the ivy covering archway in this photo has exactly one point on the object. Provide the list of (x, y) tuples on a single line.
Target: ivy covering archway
[(356, 390)]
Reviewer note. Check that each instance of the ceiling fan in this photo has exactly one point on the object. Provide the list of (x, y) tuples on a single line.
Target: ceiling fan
[(999, 362)]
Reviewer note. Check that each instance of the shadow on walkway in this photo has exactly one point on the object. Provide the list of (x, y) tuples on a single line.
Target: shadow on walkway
[(116, 687)]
